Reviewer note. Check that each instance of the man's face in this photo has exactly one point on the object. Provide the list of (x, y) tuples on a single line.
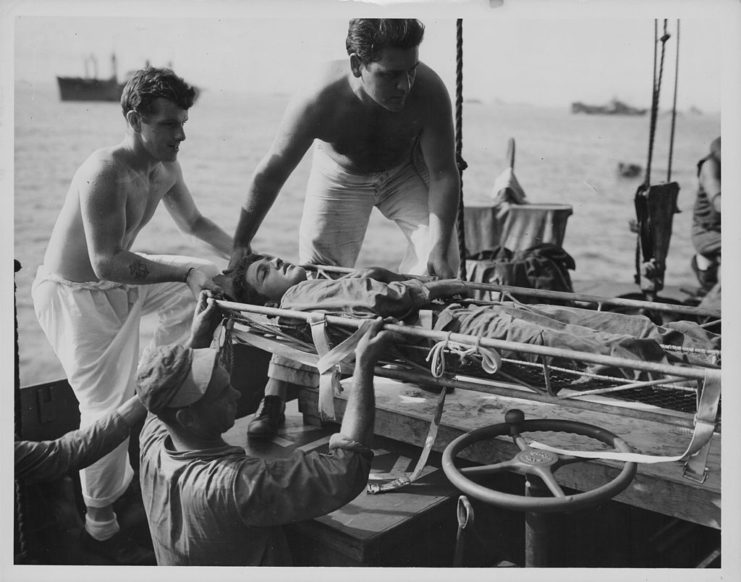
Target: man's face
[(389, 80), (215, 413), (163, 130), (272, 277)]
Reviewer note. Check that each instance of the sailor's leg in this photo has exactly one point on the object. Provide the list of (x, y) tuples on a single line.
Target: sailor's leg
[(95, 335), (336, 213), (706, 262)]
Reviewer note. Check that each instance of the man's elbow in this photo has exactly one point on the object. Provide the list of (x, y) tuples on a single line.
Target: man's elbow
[(192, 227), (357, 477), (103, 267)]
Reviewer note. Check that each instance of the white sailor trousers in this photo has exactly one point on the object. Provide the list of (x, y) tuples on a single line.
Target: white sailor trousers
[(338, 205), (94, 331)]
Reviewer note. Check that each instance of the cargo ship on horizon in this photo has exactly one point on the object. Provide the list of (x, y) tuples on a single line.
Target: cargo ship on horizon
[(90, 87), (614, 107)]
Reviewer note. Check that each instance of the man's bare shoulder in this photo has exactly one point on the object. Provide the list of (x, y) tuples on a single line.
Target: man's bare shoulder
[(103, 162), (327, 86), (428, 83), (109, 169)]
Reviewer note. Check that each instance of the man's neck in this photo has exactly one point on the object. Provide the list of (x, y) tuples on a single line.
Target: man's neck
[(138, 158), (184, 443)]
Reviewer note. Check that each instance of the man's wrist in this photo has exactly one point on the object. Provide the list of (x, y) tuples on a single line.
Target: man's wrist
[(187, 274)]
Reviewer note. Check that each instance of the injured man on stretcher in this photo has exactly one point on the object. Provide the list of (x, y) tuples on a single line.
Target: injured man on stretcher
[(265, 280)]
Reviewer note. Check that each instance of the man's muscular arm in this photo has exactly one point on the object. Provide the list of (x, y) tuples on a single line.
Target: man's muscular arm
[(438, 149), (103, 197), (181, 206), (293, 138)]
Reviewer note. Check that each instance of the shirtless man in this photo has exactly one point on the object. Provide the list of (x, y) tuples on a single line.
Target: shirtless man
[(384, 137), (92, 290), (383, 133)]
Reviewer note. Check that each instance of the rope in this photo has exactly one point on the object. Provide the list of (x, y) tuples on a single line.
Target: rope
[(656, 91), (655, 94), (18, 492), (674, 110), (462, 165), (491, 361)]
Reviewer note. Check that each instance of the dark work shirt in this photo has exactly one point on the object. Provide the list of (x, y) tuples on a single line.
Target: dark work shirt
[(219, 507), (37, 461)]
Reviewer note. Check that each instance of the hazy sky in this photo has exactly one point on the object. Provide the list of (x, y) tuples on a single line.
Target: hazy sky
[(541, 56)]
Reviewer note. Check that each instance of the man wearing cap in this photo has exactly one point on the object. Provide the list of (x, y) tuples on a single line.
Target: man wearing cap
[(207, 502)]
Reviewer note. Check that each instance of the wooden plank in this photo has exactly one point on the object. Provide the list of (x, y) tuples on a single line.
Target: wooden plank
[(403, 412)]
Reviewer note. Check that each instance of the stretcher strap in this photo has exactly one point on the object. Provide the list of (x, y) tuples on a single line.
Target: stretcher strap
[(277, 348), (335, 357), (409, 478), (696, 453), (344, 350), (707, 409), (329, 380)]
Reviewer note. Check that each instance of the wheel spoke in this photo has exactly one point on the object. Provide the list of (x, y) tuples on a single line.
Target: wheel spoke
[(521, 443), (508, 465), (550, 481)]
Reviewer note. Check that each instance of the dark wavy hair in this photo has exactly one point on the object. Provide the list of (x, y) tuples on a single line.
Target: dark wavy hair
[(152, 83), (367, 37), (243, 291)]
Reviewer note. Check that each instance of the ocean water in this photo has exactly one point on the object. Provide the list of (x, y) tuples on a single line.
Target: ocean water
[(560, 158)]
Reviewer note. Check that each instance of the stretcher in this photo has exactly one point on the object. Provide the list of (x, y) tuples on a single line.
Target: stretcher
[(685, 396)]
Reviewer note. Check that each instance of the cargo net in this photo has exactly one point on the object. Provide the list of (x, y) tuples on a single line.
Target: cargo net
[(551, 378)]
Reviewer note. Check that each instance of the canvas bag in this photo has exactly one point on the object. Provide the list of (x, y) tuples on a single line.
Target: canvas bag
[(544, 266)]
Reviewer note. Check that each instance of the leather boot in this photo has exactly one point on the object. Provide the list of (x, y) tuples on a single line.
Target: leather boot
[(267, 422)]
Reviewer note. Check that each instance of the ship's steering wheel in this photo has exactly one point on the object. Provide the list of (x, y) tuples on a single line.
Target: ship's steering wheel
[(534, 462)]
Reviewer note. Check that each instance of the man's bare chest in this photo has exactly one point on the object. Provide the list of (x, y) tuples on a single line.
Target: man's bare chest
[(142, 199), (372, 144)]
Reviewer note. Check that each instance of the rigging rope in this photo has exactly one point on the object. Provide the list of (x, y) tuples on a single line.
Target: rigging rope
[(21, 550), (644, 222), (459, 145), (674, 110), (656, 91)]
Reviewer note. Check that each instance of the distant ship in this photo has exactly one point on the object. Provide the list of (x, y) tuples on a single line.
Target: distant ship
[(91, 88), (615, 107)]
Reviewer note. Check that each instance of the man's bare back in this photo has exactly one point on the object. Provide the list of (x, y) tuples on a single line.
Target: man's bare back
[(109, 176)]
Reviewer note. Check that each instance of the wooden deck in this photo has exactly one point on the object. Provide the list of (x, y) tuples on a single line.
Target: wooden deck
[(403, 413)]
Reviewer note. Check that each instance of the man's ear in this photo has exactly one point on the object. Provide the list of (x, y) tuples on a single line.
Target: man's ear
[(355, 64), (184, 416), (134, 119)]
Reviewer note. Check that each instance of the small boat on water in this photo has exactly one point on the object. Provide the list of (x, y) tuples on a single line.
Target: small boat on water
[(614, 107), (91, 87)]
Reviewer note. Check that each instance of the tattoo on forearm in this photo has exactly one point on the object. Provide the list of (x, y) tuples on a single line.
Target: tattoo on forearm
[(138, 270)]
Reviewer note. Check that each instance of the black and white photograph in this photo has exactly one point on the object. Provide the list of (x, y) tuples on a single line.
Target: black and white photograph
[(370, 288)]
